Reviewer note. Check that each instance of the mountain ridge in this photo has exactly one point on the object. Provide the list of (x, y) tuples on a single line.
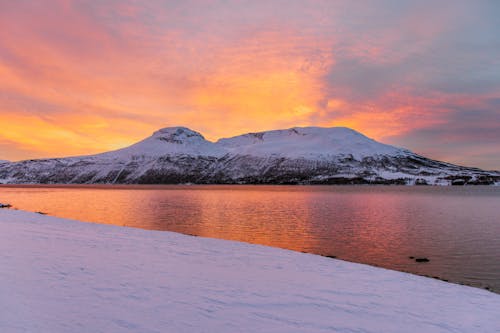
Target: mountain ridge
[(297, 155)]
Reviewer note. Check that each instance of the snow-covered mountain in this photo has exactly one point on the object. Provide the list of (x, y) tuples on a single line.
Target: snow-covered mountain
[(299, 155), (308, 142), (169, 141)]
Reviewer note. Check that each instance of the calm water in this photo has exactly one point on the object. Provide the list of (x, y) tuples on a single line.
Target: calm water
[(457, 228)]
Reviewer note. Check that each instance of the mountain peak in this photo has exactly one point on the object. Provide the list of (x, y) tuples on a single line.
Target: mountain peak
[(339, 132), (308, 142), (177, 135), (170, 141)]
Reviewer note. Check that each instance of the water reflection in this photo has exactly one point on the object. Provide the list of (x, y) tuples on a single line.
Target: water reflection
[(458, 228)]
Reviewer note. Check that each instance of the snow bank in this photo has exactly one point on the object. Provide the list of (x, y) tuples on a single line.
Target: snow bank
[(65, 276)]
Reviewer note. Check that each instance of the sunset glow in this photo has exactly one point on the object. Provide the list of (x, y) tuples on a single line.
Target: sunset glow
[(81, 77)]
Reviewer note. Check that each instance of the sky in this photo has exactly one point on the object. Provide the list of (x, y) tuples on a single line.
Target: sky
[(81, 77)]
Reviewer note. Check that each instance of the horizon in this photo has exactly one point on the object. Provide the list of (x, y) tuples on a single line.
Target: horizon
[(80, 78)]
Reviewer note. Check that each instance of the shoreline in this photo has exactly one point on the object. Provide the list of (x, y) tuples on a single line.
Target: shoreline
[(67, 275), (225, 187), (235, 186)]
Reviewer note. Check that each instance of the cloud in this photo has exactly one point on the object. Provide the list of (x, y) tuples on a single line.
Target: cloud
[(109, 73)]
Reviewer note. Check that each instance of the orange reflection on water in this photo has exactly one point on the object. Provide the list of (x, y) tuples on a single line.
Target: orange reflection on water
[(378, 222), (244, 216)]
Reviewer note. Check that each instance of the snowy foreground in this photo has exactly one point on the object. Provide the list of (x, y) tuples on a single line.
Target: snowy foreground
[(66, 276)]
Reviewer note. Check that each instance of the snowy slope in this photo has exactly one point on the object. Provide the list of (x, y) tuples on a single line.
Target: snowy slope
[(308, 142), (297, 142), (66, 276), (300, 155), (169, 141)]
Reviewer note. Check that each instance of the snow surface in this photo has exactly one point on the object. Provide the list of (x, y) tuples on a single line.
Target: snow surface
[(66, 276), (169, 141), (309, 142), (297, 142)]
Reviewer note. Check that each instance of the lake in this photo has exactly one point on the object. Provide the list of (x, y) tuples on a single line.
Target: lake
[(456, 228)]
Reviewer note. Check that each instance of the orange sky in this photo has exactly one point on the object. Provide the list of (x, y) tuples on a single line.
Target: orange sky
[(79, 77)]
